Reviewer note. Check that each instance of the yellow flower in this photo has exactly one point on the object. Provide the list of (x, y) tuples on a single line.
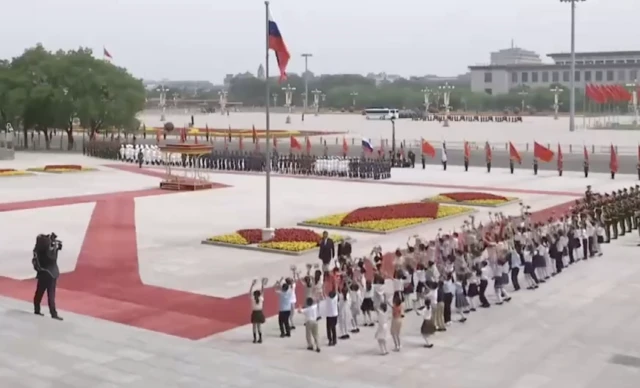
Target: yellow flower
[(387, 225), (440, 198), (332, 220), (61, 170), (233, 238), (448, 211), (14, 173), (293, 246)]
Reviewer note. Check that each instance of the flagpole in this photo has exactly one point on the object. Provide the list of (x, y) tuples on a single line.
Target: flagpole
[(267, 230)]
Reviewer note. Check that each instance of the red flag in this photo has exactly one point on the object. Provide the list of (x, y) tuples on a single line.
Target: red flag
[(106, 54), (467, 150), (542, 153), (560, 158), (345, 146), (428, 149), (294, 143), (275, 142), (613, 163), (593, 94), (240, 145), (586, 154), (487, 151), (254, 135), (602, 93), (514, 154), (624, 93), (308, 145)]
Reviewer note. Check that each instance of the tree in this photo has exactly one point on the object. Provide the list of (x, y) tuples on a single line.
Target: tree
[(40, 91)]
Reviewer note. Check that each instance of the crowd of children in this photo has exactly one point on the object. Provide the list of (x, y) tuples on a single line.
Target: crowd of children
[(440, 280)]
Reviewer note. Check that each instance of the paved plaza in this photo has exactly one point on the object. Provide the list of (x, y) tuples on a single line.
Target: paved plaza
[(146, 305)]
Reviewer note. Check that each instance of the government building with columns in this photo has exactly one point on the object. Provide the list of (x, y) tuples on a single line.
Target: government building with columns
[(516, 68)]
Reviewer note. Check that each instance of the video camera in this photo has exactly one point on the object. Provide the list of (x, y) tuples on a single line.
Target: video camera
[(55, 243)]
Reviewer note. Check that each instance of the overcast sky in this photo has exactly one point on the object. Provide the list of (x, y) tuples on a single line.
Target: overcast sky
[(204, 40)]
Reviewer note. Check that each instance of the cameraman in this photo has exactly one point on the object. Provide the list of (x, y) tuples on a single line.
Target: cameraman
[(45, 263)]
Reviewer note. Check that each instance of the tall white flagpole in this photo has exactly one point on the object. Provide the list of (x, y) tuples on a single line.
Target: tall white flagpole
[(267, 233)]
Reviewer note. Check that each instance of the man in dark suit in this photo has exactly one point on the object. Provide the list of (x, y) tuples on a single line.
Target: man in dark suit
[(45, 262), (327, 252)]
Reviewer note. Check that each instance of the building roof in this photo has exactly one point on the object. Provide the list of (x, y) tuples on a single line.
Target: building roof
[(597, 54), (555, 66)]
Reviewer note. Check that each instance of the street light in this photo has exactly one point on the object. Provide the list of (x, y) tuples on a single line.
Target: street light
[(634, 100), (522, 94), (316, 100), (556, 104), (222, 99), (426, 92), (306, 57), (572, 83), (353, 99), (446, 94), (288, 99), (162, 104)]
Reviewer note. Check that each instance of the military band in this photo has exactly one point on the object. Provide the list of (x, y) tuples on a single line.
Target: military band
[(474, 118)]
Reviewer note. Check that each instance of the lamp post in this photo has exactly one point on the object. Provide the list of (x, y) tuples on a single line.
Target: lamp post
[(288, 99), (306, 57), (634, 101), (162, 104), (523, 94), (222, 99), (572, 76), (393, 141), (426, 92), (316, 100), (274, 96), (556, 104), (353, 99), (446, 94)]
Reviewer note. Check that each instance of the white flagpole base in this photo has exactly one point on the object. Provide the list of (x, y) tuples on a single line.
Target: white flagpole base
[(268, 234)]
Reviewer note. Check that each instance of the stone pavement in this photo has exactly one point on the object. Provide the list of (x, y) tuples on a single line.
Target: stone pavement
[(136, 260)]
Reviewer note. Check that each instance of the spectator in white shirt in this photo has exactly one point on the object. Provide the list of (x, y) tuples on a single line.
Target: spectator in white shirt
[(311, 317)]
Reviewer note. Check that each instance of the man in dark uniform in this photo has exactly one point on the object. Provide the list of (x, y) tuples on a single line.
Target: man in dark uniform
[(585, 165), (466, 163), (424, 162), (45, 262), (140, 158), (511, 165), (488, 163), (535, 166)]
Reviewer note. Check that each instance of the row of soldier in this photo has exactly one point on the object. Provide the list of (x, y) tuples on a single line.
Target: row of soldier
[(618, 212), (474, 118)]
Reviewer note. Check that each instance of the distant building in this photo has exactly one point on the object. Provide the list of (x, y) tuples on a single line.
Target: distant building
[(514, 56), (613, 67), (260, 73), (381, 78)]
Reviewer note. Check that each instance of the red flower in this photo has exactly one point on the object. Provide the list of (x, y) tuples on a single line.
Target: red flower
[(473, 196), (392, 212), (296, 235), (253, 236)]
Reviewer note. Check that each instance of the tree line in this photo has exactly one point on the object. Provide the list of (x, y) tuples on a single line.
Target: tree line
[(42, 90)]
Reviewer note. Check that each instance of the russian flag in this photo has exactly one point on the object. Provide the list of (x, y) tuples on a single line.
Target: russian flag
[(276, 43), (366, 145)]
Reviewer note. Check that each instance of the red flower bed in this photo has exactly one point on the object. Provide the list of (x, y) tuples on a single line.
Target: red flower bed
[(474, 196), (7, 169), (295, 235), (254, 236), (392, 212), (62, 167)]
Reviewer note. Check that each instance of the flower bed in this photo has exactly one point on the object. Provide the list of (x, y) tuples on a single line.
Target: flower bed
[(4, 172), (473, 199), (388, 218), (62, 168), (293, 241)]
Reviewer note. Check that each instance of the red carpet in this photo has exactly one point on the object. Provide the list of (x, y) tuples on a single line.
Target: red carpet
[(106, 283)]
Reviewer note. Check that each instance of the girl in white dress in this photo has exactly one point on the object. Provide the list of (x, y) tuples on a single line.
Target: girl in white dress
[(355, 297), (428, 328), (344, 313), (383, 329)]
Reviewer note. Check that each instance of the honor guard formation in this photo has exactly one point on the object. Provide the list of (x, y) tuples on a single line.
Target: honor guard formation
[(475, 118), (363, 168)]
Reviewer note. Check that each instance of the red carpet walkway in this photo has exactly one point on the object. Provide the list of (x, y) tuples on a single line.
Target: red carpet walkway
[(106, 283)]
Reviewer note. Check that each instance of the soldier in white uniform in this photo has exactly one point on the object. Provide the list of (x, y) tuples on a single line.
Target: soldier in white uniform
[(122, 153)]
